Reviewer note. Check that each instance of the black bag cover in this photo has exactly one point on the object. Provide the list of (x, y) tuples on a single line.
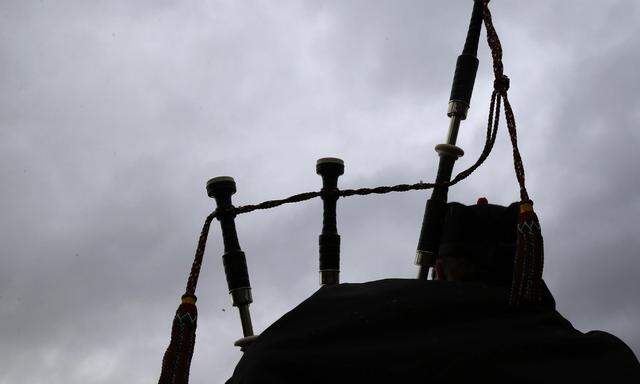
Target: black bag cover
[(420, 331)]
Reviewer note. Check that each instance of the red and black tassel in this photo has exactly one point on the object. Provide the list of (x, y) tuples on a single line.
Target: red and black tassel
[(526, 285), (177, 358)]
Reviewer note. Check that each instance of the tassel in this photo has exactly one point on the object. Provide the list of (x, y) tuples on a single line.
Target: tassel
[(177, 358), (526, 286), (529, 259)]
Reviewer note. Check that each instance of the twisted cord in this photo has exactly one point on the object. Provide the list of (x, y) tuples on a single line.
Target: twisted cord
[(192, 282), (501, 85), (492, 129)]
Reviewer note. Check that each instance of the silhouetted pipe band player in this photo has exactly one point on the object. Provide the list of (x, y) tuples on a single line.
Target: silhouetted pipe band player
[(486, 316), (458, 328)]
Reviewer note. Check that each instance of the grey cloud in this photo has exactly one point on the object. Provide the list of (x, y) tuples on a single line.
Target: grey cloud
[(113, 115)]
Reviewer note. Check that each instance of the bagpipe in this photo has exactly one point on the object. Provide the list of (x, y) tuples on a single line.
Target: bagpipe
[(527, 271)]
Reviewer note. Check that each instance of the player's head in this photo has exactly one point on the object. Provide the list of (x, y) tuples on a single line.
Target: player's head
[(478, 243)]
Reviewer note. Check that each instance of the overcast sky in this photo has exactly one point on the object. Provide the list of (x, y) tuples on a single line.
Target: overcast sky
[(113, 114)]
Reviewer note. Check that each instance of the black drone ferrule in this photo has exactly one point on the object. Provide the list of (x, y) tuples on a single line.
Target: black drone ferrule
[(221, 189), (235, 264), (430, 233), (235, 269), (330, 168), (464, 79), (434, 212), (467, 64)]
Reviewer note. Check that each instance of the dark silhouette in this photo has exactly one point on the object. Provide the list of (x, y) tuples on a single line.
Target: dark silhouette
[(487, 316), (458, 328)]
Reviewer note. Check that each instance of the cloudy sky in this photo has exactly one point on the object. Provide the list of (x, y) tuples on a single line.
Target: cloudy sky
[(113, 114)]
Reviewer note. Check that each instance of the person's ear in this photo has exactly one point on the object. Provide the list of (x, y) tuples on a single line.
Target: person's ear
[(439, 270)]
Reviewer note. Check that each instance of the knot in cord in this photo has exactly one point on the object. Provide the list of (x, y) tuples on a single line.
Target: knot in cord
[(331, 193), (224, 212), (501, 84)]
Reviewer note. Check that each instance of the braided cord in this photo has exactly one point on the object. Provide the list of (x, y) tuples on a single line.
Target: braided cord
[(192, 282), (492, 129), (501, 85)]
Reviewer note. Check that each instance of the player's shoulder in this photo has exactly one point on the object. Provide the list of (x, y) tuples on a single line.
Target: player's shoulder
[(614, 343)]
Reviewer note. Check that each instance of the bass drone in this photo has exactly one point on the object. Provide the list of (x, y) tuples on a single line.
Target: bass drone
[(528, 262)]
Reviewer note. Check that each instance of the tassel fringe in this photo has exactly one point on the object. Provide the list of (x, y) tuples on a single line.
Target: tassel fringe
[(526, 285), (177, 358)]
